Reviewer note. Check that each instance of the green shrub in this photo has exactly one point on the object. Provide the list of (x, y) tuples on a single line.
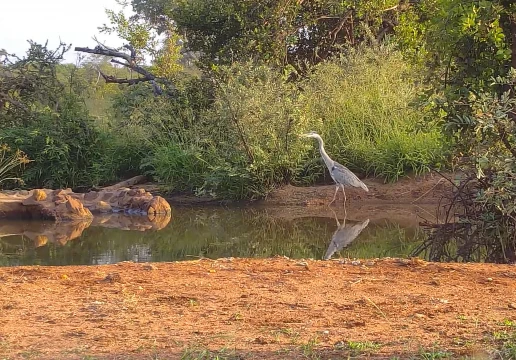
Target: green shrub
[(10, 161), (62, 145), (254, 123), (119, 157), (181, 169)]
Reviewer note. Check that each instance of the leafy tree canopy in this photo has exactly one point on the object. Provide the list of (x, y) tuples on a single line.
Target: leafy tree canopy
[(279, 32)]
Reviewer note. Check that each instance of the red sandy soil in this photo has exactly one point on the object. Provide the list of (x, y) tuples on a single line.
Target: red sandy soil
[(257, 309)]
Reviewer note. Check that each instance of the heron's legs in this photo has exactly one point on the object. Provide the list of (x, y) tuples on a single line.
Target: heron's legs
[(345, 212), (336, 218), (334, 195)]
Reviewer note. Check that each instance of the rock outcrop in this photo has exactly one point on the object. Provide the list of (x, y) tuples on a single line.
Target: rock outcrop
[(65, 205)]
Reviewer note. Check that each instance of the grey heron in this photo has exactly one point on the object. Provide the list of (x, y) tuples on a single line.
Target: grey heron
[(343, 236), (338, 172)]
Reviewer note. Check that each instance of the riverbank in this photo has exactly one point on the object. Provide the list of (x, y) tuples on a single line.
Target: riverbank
[(258, 309), (426, 189)]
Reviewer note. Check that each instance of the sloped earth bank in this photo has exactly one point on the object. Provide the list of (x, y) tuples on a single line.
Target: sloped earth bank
[(427, 189), (259, 309)]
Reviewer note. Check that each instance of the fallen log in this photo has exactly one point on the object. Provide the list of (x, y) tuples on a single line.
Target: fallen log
[(126, 183)]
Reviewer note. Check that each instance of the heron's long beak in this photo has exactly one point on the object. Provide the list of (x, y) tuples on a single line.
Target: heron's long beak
[(304, 135)]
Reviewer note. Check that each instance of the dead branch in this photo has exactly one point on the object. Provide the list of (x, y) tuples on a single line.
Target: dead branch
[(126, 183), (130, 62)]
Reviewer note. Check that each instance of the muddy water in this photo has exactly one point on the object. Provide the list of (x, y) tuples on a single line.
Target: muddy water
[(214, 232)]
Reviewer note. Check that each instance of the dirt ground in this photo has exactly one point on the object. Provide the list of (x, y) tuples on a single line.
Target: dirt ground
[(259, 309), (426, 189)]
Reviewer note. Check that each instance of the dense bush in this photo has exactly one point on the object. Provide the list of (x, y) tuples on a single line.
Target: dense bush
[(62, 145), (245, 142), (232, 133), (10, 163), (43, 113)]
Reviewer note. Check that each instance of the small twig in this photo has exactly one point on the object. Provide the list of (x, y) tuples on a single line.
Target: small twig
[(376, 307), (391, 8), (200, 258), (356, 282), (433, 187)]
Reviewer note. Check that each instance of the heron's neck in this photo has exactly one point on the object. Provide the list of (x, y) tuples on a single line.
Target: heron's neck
[(326, 158)]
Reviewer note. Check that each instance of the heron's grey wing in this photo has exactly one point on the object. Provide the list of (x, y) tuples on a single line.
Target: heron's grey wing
[(343, 237), (343, 175)]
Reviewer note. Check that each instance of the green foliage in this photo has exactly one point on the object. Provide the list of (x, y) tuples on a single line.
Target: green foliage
[(507, 344), (9, 162), (29, 85), (463, 43), (275, 32), (43, 114), (244, 143), (492, 148), (61, 144), (181, 169), (84, 80), (120, 155), (160, 43), (469, 51), (200, 353), (254, 123), (363, 104), (359, 347)]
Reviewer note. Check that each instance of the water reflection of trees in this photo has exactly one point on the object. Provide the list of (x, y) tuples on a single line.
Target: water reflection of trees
[(214, 233), (462, 242)]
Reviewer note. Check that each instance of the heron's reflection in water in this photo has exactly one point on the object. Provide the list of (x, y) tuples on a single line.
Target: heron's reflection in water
[(344, 235)]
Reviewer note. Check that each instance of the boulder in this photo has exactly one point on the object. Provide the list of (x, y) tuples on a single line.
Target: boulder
[(65, 205), (55, 205)]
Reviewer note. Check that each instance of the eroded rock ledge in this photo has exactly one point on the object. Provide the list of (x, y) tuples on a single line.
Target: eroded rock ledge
[(65, 205)]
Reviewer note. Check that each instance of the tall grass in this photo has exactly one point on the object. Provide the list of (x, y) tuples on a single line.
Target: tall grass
[(9, 162), (363, 105)]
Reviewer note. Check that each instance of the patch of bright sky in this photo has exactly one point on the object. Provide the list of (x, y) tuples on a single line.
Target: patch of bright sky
[(74, 22)]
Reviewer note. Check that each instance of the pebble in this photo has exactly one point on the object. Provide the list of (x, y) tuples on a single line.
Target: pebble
[(489, 279), (113, 277), (149, 267), (355, 262), (512, 306)]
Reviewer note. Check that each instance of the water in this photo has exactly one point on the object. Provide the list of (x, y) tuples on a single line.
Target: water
[(214, 233)]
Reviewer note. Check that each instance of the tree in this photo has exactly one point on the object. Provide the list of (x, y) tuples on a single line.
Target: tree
[(469, 48), (284, 32), (158, 43), (465, 43), (29, 84)]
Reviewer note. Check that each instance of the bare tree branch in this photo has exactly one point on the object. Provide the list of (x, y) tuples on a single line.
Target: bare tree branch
[(130, 62)]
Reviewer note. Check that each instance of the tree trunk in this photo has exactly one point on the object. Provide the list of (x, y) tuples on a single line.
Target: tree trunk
[(513, 41)]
